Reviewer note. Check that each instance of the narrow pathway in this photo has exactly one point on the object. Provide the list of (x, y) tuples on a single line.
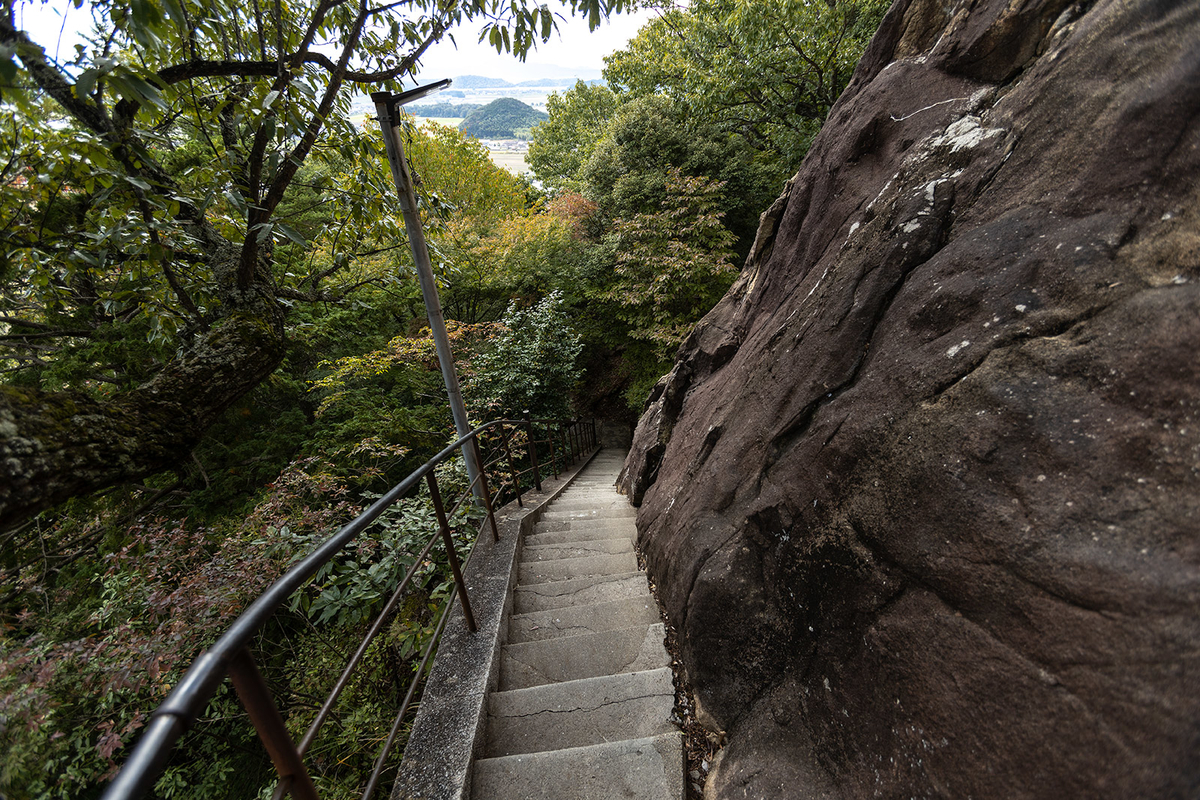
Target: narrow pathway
[(583, 706)]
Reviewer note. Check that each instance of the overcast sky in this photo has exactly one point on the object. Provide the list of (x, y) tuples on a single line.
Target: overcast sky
[(573, 51)]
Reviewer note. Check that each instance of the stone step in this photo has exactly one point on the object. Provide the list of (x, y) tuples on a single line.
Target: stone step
[(575, 620), (612, 503), (623, 524), (579, 592), (627, 511), (571, 536), (635, 705), (604, 498), (637, 769), (589, 655), (580, 549), (531, 573)]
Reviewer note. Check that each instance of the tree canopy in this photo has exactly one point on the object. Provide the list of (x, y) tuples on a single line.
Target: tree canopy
[(142, 201), (564, 142), (767, 69)]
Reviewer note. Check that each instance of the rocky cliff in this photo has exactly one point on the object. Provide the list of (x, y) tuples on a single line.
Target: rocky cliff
[(922, 493)]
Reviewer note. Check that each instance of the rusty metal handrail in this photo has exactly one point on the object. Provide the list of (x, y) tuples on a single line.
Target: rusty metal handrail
[(230, 654)]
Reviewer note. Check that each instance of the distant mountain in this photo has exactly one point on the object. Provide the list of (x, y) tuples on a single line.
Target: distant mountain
[(550, 82), (505, 118), (442, 109), (480, 82)]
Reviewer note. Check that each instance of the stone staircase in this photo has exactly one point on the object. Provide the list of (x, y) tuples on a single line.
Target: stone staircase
[(582, 710)]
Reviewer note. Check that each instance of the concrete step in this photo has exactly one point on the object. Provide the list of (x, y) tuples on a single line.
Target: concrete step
[(568, 536), (579, 592), (575, 620), (579, 549), (611, 503), (603, 498), (635, 705), (627, 511), (639, 769), (623, 524), (587, 656), (530, 573)]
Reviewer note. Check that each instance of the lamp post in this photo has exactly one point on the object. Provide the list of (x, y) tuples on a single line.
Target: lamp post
[(387, 105)]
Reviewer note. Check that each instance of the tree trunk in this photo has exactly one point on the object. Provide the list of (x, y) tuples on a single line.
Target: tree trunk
[(57, 445)]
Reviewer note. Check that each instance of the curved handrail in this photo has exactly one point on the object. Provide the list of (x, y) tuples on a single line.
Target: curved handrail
[(229, 656)]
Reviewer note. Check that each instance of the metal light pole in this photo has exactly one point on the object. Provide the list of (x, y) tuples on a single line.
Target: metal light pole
[(386, 104)]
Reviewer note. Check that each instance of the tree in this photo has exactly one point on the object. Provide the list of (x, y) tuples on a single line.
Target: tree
[(563, 143), (648, 137), (767, 69), (672, 264), (530, 365), (457, 174), (109, 233)]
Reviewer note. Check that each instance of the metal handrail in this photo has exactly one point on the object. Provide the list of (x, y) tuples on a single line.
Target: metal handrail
[(230, 655)]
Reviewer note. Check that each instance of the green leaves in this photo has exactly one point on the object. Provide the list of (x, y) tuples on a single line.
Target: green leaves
[(767, 69), (563, 143), (530, 365), (672, 265)]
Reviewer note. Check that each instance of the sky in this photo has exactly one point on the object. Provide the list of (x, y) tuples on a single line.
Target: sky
[(572, 52)]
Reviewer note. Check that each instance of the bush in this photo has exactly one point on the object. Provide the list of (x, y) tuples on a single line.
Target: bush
[(530, 365)]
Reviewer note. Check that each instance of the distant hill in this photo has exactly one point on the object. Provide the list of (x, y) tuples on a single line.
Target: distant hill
[(505, 118), (551, 82), (480, 82), (443, 109)]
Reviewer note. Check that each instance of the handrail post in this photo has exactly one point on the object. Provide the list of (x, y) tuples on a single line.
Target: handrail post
[(449, 542), (593, 427), (487, 495), (537, 478), (512, 467), (256, 699), (553, 456)]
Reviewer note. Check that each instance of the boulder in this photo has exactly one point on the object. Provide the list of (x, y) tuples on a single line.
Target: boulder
[(922, 493)]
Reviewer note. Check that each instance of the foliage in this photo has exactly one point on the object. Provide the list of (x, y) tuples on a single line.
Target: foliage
[(377, 407), (458, 171), (143, 197), (530, 365), (76, 691), (489, 243), (577, 211), (673, 264), (564, 142), (504, 118), (767, 69), (524, 256), (647, 137)]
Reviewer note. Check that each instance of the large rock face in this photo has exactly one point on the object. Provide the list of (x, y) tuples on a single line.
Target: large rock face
[(922, 493)]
